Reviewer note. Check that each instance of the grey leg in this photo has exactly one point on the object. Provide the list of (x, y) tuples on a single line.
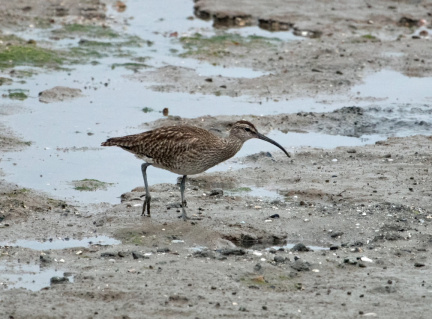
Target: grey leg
[(147, 196), (182, 189)]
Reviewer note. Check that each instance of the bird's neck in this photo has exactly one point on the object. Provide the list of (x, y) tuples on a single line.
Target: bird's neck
[(232, 145)]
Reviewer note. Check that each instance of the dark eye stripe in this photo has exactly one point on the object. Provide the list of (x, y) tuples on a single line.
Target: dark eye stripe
[(247, 129)]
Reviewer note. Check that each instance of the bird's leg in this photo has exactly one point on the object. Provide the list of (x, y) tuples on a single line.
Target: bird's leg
[(183, 202), (147, 195)]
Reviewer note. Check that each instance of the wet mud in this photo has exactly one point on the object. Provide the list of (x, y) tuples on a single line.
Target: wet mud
[(334, 231)]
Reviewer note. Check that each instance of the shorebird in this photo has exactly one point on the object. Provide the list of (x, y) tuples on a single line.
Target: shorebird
[(185, 150)]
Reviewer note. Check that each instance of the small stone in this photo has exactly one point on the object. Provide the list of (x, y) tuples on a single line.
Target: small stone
[(216, 192), (257, 267), (177, 298), (300, 247), (99, 222), (275, 216), (299, 286), (205, 253), (350, 261), (108, 254), (334, 247), (300, 265), (58, 280), (122, 253), (163, 250), (45, 259), (419, 265), (138, 255), (423, 33), (364, 258), (232, 251), (280, 259), (336, 234)]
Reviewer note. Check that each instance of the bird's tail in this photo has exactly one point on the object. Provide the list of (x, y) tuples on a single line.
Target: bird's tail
[(123, 141), (115, 141)]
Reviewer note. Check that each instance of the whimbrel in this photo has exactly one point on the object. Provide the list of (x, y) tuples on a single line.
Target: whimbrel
[(185, 150)]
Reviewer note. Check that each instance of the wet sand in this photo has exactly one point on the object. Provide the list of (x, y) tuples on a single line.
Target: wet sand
[(364, 210)]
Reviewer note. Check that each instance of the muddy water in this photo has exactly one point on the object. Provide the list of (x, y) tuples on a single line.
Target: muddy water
[(28, 276), (66, 136), (62, 243)]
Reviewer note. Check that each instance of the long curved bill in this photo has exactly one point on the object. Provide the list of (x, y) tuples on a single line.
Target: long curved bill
[(265, 138)]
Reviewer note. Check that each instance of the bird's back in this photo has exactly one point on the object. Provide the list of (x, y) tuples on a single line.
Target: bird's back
[(184, 150)]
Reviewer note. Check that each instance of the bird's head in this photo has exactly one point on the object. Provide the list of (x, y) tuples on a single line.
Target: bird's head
[(245, 130)]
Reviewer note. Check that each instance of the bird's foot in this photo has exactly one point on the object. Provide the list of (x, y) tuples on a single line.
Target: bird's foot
[(185, 218), (146, 206)]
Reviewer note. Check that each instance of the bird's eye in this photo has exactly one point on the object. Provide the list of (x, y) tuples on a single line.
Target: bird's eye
[(247, 129)]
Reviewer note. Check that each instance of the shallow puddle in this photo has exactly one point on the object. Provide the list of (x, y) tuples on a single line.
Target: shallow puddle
[(31, 277), (62, 243), (395, 87)]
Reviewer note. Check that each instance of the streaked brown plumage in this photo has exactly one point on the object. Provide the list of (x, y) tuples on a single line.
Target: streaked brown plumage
[(185, 150)]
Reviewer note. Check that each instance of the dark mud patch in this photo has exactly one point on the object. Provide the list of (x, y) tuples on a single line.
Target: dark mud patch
[(59, 93), (89, 185), (43, 14), (223, 45), (253, 241), (353, 121), (10, 143), (20, 203)]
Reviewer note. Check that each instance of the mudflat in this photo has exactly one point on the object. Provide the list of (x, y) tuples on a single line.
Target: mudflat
[(338, 232)]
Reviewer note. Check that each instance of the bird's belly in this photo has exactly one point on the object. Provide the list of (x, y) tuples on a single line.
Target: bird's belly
[(188, 164), (182, 170), (187, 167)]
